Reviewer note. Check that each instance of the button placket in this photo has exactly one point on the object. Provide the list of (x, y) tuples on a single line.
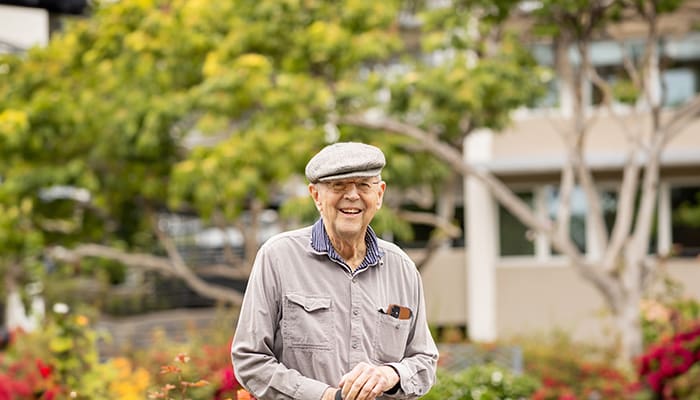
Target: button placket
[(355, 323)]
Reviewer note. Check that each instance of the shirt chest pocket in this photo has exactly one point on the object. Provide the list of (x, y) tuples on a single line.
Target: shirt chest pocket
[(390, 338), (307, 322)]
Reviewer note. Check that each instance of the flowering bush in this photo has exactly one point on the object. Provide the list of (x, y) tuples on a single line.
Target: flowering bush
[(661, 318), (59, 360), (227, 387), (668, 368), (131, 383), (596, 381), (574, 371), (62, 361), (27, 379)]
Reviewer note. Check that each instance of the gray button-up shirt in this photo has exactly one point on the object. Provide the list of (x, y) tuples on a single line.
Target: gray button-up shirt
[(306, 320)]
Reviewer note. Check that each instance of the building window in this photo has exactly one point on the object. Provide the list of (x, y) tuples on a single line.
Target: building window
[(681, 85), (515, 239), (578, 209), (609, 205), (685, 209)]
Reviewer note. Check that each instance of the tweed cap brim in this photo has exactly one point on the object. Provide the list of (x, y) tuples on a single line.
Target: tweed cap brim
[(345, 160)]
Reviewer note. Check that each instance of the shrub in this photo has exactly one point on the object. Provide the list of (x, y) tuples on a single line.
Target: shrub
[(60, 360), (485, 382), (570, 370), (670, 368), (661, 319)]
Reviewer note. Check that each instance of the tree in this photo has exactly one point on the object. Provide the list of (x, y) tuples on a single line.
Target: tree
[(622, 272), (155, 107)]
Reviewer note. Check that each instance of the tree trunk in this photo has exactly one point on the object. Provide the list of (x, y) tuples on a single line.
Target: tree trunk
[(627, 321)]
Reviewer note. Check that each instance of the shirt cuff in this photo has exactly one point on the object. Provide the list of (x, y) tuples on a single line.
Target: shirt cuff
[(311, 390), (404, 378)]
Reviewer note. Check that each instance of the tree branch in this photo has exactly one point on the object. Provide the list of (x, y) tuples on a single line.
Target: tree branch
[(161, 265), (566, 186), (431, 219), (623, 219), (454, 158), (181, 269)]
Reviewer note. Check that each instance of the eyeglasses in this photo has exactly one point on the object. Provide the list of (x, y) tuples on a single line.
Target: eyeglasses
[(344, 186)]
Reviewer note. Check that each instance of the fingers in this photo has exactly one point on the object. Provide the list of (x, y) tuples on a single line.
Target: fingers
[(363, 382)]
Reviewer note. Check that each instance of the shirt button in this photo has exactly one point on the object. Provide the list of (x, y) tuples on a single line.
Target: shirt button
[(354, 280), (355, 312), (354, 346)]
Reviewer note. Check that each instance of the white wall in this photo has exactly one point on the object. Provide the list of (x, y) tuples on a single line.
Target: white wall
[(23, 27)]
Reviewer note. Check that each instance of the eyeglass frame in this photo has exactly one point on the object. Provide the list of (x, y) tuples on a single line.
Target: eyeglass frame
[(343, 186)]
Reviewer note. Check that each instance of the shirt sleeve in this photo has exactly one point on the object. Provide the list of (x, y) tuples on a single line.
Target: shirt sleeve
[(418, 367), (254, 362)]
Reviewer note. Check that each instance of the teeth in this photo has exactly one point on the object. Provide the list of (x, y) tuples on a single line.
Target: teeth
[(350, 210)]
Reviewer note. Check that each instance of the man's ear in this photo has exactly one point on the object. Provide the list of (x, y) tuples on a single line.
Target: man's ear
[(380, 199), (313, 190)]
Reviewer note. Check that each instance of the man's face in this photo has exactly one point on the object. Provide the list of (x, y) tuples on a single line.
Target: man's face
[(347, 206)]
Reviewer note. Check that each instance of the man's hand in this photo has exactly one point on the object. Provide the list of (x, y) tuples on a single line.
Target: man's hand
[(366, 381)]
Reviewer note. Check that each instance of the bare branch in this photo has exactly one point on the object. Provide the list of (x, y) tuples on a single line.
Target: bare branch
[(230, 255), (454, 158), (431, 219), (564, 213), (428, 252), (181, 269), (222, 271), (148, 262), (576, 151), (623, 219), (649, 189)]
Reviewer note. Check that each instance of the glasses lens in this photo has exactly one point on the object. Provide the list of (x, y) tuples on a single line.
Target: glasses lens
[(342, 187)]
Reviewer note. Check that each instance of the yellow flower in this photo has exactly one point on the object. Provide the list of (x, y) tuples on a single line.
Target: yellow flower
[(81, 320), (130, 384)]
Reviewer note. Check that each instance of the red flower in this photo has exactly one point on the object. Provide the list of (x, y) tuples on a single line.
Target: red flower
[(44, 369), (228, 383), (655, 380)]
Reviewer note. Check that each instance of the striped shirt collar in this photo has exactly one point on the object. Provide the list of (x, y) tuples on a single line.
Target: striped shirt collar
[(322, 244)]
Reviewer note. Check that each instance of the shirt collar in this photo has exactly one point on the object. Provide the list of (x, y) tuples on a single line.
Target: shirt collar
[(321, 243)]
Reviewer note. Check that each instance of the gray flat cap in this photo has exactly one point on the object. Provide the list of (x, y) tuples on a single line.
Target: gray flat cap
[(345, 160)]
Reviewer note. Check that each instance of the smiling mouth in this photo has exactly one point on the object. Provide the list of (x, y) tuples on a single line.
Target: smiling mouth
[(350, 211)]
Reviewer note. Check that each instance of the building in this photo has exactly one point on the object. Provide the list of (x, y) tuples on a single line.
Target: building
[(514, 282)]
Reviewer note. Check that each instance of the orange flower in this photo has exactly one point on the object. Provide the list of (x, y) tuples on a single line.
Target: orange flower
[(183, 358), (199, 383), (243, 395), (167, 369)]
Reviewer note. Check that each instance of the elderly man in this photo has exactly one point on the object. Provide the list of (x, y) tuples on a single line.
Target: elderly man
[(331, 311)]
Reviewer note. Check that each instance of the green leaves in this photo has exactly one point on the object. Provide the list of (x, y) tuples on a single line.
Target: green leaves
[(207, 107)]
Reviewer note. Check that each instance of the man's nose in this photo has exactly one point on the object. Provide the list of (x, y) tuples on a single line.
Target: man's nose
[(352, 190)]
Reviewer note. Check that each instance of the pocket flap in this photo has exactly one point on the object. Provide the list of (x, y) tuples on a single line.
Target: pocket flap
[(310, 303)]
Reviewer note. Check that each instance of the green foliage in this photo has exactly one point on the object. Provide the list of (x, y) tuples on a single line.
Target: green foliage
[(689, 213), (625, 91), (452, 97), (482, 382), (206, 107)]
